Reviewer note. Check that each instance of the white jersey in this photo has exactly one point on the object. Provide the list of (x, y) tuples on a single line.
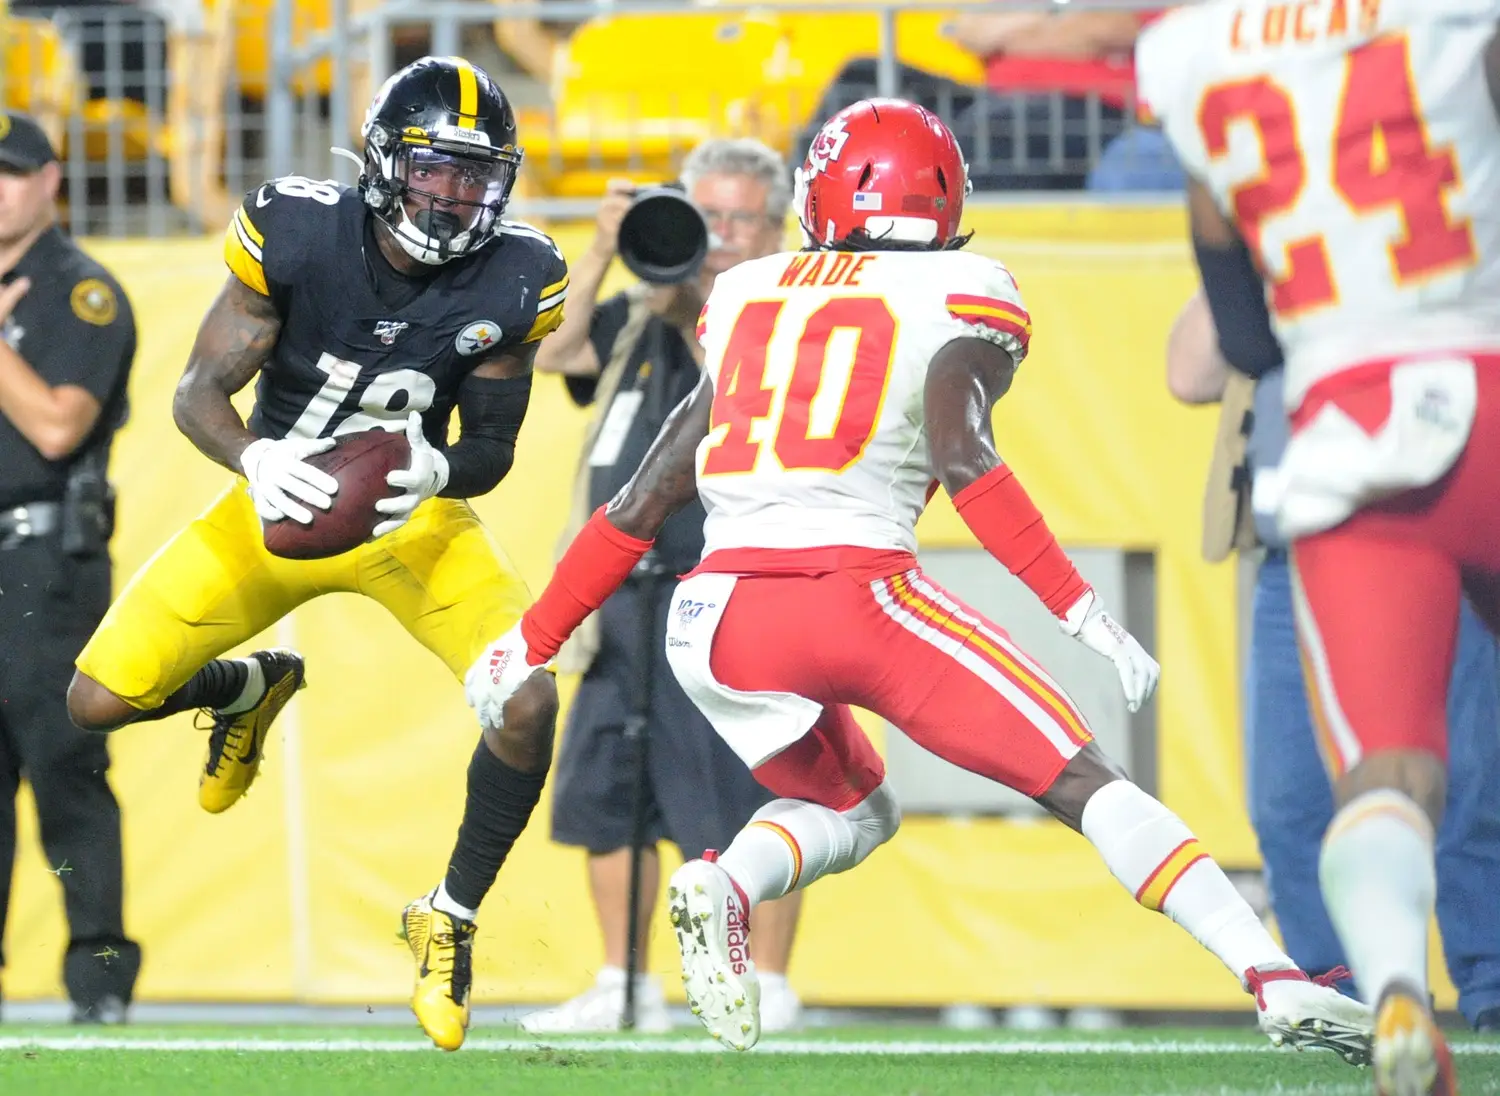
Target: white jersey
[(1354, 144), (819, 363)]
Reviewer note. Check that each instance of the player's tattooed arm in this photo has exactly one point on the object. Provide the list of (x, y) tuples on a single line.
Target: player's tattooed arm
[(234, 342), (667, 479), (964, 381)]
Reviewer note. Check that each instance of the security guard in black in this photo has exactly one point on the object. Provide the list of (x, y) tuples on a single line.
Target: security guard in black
[(67, 338)]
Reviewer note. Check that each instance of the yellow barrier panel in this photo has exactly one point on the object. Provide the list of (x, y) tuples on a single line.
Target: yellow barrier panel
[(294, 894)]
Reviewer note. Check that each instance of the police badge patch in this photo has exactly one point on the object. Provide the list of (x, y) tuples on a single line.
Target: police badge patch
[(94, 302)]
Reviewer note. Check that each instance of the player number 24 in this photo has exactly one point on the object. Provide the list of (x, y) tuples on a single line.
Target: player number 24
[(742, 396), (1381, 159)]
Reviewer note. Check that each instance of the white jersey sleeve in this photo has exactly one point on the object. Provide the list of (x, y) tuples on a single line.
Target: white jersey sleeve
[(1168, 57), (981, 298)]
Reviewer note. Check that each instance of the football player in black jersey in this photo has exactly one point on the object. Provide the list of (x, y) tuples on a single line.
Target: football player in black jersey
[(384, 306)]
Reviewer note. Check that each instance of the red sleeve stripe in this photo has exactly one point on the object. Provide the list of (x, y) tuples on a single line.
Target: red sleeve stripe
[(964, 306), (992, 313)]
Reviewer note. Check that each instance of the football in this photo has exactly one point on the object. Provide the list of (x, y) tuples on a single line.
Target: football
[(359, 462)]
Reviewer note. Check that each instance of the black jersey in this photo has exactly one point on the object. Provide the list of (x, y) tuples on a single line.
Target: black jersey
[(361, 345)]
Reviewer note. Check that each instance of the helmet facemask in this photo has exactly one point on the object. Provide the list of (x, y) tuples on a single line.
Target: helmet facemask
[(441, 199)]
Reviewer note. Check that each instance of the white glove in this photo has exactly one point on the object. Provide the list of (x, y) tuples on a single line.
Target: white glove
[(424, 477), (1088, 623), (497, 673), (279, 476)]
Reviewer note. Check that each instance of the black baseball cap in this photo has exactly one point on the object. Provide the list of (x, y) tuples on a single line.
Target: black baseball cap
[(23, 145)]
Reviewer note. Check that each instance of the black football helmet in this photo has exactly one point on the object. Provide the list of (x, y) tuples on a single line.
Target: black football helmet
[(440, 157)]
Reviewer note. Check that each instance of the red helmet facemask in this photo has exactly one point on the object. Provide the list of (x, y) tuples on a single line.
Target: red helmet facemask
[(883, 171)]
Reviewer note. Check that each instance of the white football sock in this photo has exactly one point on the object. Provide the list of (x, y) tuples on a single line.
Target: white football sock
[(1379, 885), (771, 980), (790, 842), (255, 688), (442, 900), (1153, 853)]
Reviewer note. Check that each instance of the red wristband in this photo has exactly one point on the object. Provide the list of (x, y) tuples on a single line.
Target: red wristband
[(998, 511), (595, 564)]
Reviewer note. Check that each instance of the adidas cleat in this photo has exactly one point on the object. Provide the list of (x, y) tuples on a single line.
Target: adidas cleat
[(713, 934), (1301, 1012)]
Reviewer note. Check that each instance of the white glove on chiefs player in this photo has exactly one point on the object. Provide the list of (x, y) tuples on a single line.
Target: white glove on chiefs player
[(423, 478), (279, 476), (1088, 623), (497, 673)]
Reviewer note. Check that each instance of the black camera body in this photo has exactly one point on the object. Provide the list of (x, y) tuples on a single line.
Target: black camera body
[(663, 237)]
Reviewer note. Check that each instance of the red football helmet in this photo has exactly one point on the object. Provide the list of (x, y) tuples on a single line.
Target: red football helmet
[(886, 169)]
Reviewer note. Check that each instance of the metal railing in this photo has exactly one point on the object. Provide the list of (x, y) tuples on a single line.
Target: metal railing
[(164, 123)]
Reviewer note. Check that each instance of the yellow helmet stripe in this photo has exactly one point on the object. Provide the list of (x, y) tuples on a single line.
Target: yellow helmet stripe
[(468, 95)]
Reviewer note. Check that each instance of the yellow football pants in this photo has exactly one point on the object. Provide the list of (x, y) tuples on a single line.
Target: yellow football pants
[(214, 585)]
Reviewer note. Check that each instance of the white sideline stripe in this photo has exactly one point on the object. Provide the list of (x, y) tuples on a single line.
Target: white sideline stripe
[(665, 1046)]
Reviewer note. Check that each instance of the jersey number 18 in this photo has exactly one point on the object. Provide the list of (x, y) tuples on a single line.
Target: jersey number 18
[(384, 403)]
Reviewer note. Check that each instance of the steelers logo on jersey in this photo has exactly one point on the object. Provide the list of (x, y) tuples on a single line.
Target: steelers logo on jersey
[(94, 302), (477, 338)]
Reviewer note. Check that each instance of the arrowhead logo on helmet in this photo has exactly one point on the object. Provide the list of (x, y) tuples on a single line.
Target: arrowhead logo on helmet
[(827, 145)]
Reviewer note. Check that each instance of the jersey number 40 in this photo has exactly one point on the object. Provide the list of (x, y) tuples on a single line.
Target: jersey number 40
[(867, 328)]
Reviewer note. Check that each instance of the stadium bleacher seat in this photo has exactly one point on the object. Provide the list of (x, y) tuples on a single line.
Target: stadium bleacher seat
[(38, 74), (634, 93), (251, 30)]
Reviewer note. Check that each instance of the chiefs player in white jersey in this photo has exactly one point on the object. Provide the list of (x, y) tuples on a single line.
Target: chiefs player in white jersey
[(1347, 156), (844, 383)]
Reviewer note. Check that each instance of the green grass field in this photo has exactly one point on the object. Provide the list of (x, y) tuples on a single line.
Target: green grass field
[(850, 1062)]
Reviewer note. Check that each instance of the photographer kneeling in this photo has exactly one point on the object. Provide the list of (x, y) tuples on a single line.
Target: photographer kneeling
[(634, 357)]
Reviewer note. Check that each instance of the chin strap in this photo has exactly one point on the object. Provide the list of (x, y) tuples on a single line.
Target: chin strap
[(425, 252)]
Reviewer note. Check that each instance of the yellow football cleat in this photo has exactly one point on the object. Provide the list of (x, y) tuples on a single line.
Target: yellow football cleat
[(1411, 1057), (237, 742), (443, 946)]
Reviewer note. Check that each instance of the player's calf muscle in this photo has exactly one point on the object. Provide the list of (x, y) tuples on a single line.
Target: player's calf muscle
[(1418, 774), (1084, 775)]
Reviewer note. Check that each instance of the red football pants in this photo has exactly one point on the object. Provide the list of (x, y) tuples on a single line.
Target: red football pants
[(906, 650), (1377, 597)]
